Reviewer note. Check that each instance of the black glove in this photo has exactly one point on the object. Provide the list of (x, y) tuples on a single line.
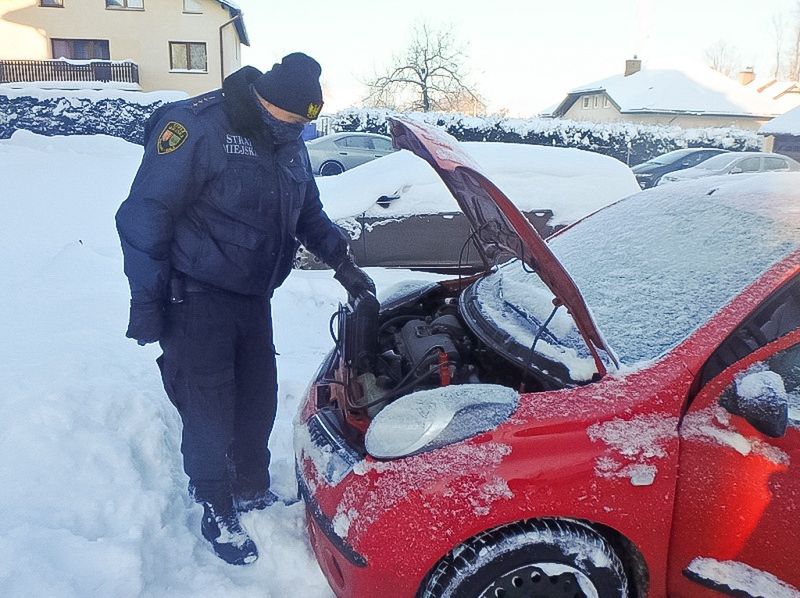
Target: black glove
[(146, 322), (353, 279)]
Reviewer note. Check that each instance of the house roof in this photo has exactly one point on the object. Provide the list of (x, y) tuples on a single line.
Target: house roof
[(235, 11), (785, 124), (699, 91)]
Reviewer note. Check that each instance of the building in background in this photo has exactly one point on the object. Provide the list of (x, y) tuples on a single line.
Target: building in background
[(186, 45), (698, 97), (782, 135)]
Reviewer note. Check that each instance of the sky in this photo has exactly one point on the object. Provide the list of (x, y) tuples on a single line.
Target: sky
[(523, 56)]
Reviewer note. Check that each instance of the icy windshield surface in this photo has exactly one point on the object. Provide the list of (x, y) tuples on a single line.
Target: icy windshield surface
[(652, 268), (670, 157)]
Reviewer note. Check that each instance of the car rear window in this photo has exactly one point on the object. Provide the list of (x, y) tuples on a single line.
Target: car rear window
[(654, 267)]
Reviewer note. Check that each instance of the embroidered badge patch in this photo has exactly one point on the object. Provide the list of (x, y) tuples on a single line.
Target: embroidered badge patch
[(313, 111), (172, 137)]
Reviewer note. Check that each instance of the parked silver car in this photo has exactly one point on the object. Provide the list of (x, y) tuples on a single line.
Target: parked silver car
[(335, 153), (734, 163)]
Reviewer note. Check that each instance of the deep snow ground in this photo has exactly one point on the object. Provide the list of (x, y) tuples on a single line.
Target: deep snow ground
[(93, 493)]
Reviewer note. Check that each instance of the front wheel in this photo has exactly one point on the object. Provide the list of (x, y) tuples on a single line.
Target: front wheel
[(544, 558), (331, 168)]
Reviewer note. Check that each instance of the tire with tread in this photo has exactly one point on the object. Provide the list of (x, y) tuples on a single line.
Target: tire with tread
[(331, 168), (484, 561)]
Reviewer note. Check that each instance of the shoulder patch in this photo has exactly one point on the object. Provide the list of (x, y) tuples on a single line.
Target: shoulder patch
[(171, 138)]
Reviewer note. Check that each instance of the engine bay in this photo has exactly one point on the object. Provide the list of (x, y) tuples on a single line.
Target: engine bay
[(420, 343)]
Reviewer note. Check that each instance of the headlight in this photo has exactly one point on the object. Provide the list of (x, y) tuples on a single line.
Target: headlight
[(430, 419)]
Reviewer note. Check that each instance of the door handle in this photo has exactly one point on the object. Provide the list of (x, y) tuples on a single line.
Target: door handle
[(342, 153)]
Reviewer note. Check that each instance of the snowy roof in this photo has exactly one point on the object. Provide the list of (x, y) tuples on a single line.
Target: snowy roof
[(771, 87), (234, 10), (698, 90), (785, 124)]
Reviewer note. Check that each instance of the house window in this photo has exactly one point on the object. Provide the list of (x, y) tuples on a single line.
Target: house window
[(192, 6), (81, 49), (126, 4), (606, 102), (585, 102), (57, 3), (188, 56), (596, 101)]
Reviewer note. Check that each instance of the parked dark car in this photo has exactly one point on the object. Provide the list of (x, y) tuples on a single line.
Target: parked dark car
[(649, 173), (337, 152), (399, 214)]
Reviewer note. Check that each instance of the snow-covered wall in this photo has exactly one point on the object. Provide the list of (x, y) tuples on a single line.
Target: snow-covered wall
[(628, 142), (123, 114)]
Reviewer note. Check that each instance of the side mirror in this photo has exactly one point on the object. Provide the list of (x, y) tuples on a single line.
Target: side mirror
[(761, 399), (735, 170)]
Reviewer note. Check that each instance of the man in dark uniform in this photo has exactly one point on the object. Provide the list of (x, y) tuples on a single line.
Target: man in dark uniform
[(209, 231)]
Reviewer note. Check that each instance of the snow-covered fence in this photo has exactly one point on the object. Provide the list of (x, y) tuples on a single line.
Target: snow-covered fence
[(628, 142), (80, 112)]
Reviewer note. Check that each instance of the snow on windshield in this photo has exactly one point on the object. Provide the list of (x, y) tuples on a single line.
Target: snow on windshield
[(653, 268)]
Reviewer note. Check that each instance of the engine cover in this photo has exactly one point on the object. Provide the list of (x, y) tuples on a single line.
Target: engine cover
[(416, 342)]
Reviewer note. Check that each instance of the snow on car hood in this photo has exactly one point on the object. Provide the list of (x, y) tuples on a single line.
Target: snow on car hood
[(572, 183), (499, 228)]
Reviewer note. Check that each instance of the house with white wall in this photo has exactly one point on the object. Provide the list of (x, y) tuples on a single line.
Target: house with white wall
[(697, 97)]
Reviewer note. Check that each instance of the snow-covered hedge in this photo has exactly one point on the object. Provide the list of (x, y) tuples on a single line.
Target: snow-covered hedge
[(628, 142), (80, 112), (123, 114)]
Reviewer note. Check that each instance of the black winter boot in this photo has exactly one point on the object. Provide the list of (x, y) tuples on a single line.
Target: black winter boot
[(222, 528)]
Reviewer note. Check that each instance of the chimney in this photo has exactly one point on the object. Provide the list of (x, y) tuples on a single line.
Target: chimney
[(632, 66), (747, 76)]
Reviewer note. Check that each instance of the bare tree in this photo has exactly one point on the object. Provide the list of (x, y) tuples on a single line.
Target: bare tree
[(793, 53), (723, 57), (778, 31), (430, 76)]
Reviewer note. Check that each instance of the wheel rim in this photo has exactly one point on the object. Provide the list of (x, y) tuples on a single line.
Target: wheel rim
[(331, 168), (542, 580)]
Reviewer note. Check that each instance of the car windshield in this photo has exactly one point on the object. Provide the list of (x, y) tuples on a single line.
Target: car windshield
[(652, 269), (718, 162), (670, 157)]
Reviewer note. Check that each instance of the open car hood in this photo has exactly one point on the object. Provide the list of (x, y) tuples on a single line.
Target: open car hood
[(499, 229)]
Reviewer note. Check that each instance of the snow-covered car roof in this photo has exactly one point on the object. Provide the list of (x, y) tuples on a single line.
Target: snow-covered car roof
[(570, 182)]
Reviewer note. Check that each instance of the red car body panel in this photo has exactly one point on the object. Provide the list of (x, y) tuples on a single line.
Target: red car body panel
[(555, 460), (609, 453)]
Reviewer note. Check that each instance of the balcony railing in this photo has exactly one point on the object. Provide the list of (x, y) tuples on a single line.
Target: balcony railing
[(15, 71)]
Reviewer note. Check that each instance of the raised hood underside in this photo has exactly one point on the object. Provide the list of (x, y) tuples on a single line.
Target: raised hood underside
[(500, 230)]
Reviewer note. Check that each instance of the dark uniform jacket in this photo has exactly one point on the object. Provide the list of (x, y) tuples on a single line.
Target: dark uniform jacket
[(216, 200)]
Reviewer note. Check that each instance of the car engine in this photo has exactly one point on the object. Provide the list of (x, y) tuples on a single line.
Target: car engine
[(419, 345)]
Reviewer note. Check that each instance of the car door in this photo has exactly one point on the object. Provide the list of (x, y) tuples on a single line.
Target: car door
[(751, 164), (776, 164), (356, 150), (735, 526), (382, 146)]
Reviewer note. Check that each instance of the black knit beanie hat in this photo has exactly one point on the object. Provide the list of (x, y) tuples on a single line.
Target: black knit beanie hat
[(293, 85)]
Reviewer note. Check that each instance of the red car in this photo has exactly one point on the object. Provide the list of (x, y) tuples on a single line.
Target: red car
[(627, 429)]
